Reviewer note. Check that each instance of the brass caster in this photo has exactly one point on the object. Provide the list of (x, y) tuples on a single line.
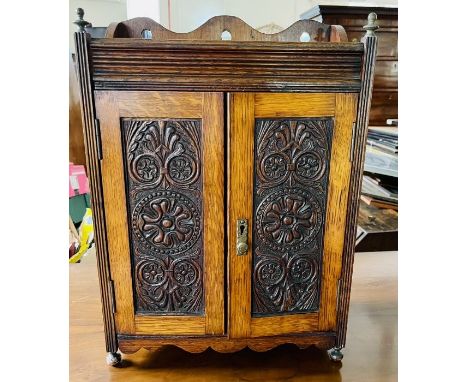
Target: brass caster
[(335, 354), (113, 359)]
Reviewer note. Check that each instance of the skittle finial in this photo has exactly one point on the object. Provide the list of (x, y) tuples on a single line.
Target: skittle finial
[(79, 22), (371, 24)]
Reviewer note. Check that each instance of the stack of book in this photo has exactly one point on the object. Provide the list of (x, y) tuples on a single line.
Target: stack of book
[(382, 151), (380, 181), (377, 193), (383, 138)]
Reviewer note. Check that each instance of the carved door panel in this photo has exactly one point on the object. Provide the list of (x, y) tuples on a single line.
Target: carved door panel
[(163, 181), (289, 169)]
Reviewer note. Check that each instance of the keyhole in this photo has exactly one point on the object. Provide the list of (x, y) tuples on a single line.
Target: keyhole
[(241, 229)]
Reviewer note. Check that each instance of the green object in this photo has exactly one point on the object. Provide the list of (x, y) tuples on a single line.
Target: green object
[(77, 207)]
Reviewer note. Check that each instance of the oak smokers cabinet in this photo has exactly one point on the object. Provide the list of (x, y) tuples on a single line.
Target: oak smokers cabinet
[(225, 179)]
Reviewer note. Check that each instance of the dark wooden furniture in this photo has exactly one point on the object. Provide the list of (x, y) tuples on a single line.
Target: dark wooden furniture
[(385, 95), (225, 178)]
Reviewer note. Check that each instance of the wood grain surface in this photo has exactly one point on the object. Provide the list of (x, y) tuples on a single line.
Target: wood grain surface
[(354, 190), (294, 105), (94, 174), (176, 325), (370, 355), (137, 64), (340, 169), (213, 223), (286, 324), (113, 184), (160, 104), (241, 135)]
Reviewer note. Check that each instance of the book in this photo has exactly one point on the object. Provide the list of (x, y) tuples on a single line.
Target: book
[(379, 203), (380, 162), (372, 188)]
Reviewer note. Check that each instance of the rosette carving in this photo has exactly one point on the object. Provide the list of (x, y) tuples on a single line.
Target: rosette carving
[(289, 219), (167, 222)]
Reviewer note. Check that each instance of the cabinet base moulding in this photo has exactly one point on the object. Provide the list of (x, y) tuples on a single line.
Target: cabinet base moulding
[(129, 344)]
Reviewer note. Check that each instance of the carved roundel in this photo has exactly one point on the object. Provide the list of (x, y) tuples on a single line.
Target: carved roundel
[(288, 219), (302, 269), (182, 168), (310, 166), (152, 272), (166, 222), (146, 168), (270, 271), (186, 272), (274, 167), (155, 272)]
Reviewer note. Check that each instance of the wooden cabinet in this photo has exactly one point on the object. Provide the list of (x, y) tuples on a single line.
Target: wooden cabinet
[(225, 178)]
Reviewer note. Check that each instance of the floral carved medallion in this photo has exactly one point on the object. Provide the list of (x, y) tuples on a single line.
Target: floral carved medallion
[(167, 222), (291, 180), (289, 219), (164, 199)]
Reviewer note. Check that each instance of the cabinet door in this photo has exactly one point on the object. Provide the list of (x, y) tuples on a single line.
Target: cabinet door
[(163, 181), (289, 169)]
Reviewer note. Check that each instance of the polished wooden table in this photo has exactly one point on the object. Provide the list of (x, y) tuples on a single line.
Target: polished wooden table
[(370, 353)]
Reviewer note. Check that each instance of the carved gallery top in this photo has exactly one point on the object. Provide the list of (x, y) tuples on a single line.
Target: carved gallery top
[(142, 48)]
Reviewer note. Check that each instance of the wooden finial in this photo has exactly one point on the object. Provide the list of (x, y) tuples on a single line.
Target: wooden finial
[(371, 24), (79, 21)]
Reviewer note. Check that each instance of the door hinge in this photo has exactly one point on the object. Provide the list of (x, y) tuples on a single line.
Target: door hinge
[(351, 146), (112, 295), (97, 129)]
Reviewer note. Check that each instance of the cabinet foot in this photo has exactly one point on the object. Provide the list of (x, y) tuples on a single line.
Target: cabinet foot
[(113, 359), (335, 354)]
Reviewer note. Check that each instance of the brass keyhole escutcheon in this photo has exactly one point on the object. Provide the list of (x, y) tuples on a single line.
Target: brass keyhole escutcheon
[(242, 234)]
